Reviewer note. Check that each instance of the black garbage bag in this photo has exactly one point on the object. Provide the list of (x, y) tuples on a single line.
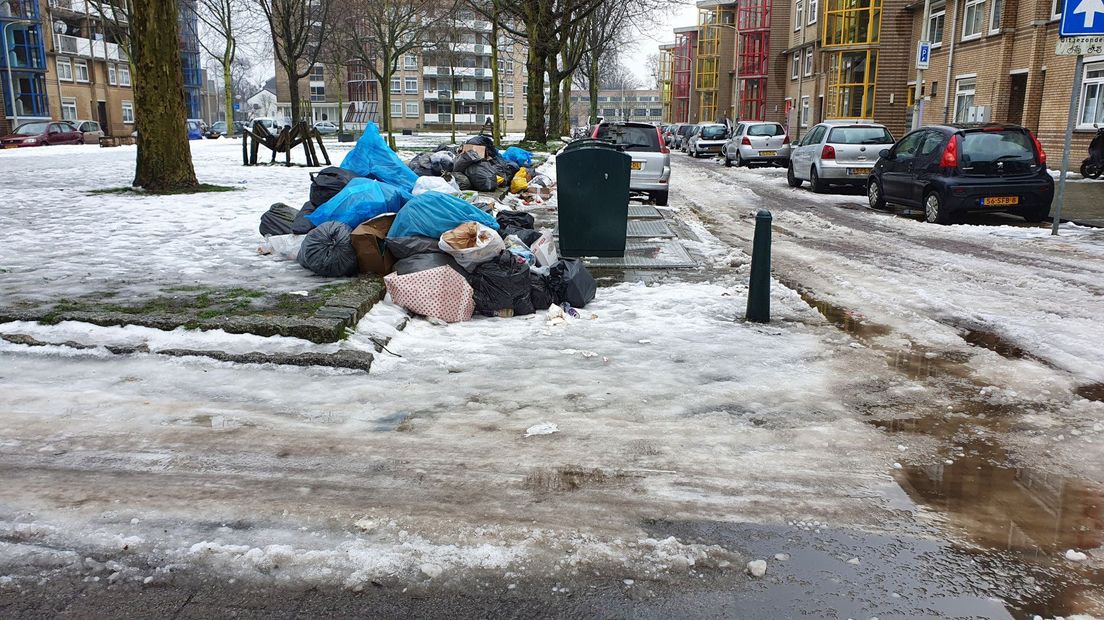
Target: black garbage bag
[(539, 292), (519, 219), (500, 284), (328, 251), (465, 159), (423, 166), (404, 247), (278, 220), (527, 235), (442, 147), (483, 176), (487, 142), (462, 180), (505, 168), (327, 182), (302, 225), (426, 261), (570, 281)]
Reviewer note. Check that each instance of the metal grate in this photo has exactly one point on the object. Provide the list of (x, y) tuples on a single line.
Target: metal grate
[(647, 229), (644, 212), (660, 254)]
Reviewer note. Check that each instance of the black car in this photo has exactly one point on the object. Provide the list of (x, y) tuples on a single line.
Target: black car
[(949, 170)]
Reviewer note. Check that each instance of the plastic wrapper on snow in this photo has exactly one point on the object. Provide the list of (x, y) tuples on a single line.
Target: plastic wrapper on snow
[(327, 182), (472, 244), (433, 213), (360, 201), (278, 220), (570, 282), (328, 251), (502, 285), (439, 293), (436, 184), (285, 247), (372, 158), (518, 155)]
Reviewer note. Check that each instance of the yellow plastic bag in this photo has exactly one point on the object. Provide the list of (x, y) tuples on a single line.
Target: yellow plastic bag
[(520, 182)]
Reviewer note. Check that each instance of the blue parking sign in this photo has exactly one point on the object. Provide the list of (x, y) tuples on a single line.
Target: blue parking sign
[(923, 55), (1082, 18)]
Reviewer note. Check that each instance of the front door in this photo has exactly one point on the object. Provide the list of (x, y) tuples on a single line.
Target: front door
[(1017, 90), (101, 115)]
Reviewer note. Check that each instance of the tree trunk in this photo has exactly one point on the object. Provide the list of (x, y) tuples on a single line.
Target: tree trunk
[(340, 101), (452, 102), (536, 63), (565, 125), (385, 109), (554, 80), (293, 94), (592, 80), (164, 156), (228, 97), (496, 101)]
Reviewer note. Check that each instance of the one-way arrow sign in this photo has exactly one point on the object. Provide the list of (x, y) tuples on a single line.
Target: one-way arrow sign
[(1081, 18)]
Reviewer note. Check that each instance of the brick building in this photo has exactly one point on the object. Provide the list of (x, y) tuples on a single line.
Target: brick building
[(643, 106)]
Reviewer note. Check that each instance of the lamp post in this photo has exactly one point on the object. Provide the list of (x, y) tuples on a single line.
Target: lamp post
[(8, 64)]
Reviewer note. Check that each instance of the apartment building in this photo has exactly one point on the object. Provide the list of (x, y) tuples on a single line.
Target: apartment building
[(803, 75), (429, 88), (67, 60), (642, 106), (715, 71)]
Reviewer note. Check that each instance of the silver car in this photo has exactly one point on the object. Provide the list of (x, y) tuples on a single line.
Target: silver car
[(708, 139), (757, 143), (837, 153), (651, 159), (687, 132)]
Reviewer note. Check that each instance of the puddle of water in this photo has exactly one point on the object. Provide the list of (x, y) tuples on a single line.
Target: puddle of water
[(849, 321), (994, 342)]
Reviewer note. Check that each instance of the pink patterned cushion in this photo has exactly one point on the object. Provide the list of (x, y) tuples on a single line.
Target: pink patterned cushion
[(439, 293)]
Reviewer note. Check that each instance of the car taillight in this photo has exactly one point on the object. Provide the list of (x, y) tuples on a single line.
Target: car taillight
[(786, 140), (828, 152), (745, 141), (1038, 149), (662, 143), (950, 154)]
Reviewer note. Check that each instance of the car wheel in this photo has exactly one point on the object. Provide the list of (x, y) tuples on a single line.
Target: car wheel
[(874, 194), (739, 160), (815, 183), (933, 209), (728, 162), (660, 198), (791, 178)]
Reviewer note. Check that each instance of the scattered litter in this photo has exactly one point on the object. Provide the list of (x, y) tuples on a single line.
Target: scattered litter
[(1075, 556), (757, 568), (544, 428), (299, 293), (853, 561), (782, 557)]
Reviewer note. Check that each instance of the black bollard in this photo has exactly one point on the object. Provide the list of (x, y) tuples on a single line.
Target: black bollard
[(758, 304)]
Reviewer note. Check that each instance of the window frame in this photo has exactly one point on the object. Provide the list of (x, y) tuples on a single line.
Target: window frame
[(811, 11), (396, 86), (127, 106), (68, 102), (124, 71), (1095, 64), (795, 65), (394, 105), (1056, 8), (978, 7), (79, 64), (799, 16), (412, 105), (969, 95), (805, 115), (68, 63), (112, 80), (996, 11), (410, 61), (407, 88), (939, 12), (807, 70)]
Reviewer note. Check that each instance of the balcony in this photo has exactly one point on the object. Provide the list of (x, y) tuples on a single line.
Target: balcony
[(95, 9), (461, 95), (87, 48), (477, 72), (461, 119), (473, 48)]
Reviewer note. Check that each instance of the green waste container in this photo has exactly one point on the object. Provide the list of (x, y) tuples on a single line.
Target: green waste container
[(592, 179)]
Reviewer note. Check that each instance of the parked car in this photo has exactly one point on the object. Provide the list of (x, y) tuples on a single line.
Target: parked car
[(837, 153), (651, 159), (949, 170), (684, 144), (326, 128), (709, 138), (679, 135), (91, 130), (196, 128), (216, 130), (42, 133), (757, 143)]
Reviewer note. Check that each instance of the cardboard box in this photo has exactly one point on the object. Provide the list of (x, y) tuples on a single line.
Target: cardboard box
[(368, 243), (482, 150)]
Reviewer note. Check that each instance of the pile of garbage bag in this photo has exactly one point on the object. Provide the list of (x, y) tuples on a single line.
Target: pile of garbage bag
[(477, 165)]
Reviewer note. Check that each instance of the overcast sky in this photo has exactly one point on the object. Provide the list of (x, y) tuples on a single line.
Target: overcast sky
[(679, 15)]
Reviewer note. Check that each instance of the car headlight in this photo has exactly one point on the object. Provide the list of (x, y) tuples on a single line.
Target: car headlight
[(30, 140)]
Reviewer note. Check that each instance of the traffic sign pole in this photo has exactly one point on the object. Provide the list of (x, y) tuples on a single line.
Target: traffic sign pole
[(1074, 99)]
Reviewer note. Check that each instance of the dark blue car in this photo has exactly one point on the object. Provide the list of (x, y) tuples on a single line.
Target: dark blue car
[(949, 170), (195, 129)]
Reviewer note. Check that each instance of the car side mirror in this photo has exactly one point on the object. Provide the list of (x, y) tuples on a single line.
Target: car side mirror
[(885, 154)]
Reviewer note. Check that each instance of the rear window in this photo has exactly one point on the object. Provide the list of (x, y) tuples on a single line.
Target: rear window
[(765, 130), (860, 135), (685, 129), (634, 138), (982, 150), (713, 132)]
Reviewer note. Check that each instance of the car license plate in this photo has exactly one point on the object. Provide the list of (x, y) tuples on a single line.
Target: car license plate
[(768, 153), (858, 171), (11, 146), (1000, 201), (638, 165)]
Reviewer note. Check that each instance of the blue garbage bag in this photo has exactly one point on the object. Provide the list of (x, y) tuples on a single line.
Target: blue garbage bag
[(433, 213), (372, 158), (361, 200), (519, 156)]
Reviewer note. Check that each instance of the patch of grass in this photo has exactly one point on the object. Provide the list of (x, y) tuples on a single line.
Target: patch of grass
[(202, 188)]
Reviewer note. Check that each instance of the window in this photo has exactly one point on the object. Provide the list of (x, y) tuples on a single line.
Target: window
[(64, 70), (1056, 7), (973, 19), (509, 65), (908, 146), (396, 85), (128, 112), (797, 14), (965, 89), (317, 93), (935, 23), (318, 73), (1092, 96), (412, 109), (410, 61), (852, 22), (808, 62), (124, 75), (795, 68), (80, 68), (655, 112), (396, 109), (805, 111), (69, 109), (411, 85), (111, 79), (910, 95), (509, 111), (995, 16), (813, 5), (851, 84)]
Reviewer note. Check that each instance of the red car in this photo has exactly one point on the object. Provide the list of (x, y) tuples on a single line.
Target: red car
[(42, 133)]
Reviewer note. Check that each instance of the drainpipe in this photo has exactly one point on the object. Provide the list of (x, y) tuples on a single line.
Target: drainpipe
[(950, 65)]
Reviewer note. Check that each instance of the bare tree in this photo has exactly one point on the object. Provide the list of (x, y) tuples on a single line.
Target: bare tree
[(651, 65), (381, 32), (224, 22), (298, 28)]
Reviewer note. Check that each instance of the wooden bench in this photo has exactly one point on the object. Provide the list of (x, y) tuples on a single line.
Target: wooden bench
[(109, 141)]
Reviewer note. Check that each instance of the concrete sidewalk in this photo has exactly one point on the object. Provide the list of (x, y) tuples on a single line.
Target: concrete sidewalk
[(1084, 203)]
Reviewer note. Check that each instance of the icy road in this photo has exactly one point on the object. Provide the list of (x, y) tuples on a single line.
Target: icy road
[(917, 434)]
